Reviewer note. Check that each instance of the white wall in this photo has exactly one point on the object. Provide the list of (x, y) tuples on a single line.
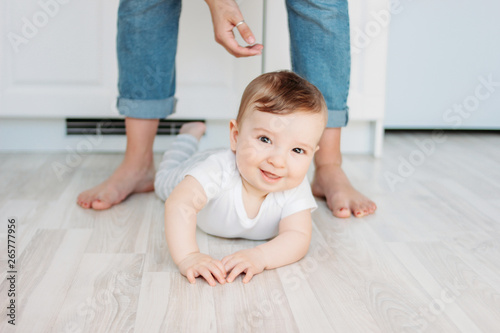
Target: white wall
[(438, 50)]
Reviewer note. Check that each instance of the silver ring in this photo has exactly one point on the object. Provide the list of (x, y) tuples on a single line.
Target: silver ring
[(239, 23)]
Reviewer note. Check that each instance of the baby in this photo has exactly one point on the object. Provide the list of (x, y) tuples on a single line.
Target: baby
[(257, 189)]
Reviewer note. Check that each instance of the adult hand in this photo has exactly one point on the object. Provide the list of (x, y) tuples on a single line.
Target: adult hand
[(199, 264), (225, 16)]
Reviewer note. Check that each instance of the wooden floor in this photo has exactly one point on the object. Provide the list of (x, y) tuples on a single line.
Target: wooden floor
[(427, 261)]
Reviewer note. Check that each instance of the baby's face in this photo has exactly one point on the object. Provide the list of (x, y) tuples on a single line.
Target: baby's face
[(273, 152)]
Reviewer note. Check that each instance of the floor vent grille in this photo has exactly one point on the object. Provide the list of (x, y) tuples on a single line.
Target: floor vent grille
[(114, 126)]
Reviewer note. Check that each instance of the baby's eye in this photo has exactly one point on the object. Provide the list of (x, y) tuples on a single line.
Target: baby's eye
[(265, 139), (299, 150)]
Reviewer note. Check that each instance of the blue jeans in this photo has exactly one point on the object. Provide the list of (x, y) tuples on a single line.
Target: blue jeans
[(147, 45)]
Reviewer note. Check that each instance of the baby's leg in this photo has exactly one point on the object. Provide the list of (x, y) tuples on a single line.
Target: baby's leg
[(172, 165)]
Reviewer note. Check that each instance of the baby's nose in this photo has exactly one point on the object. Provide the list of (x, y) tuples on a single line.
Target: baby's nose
[(277, 159)]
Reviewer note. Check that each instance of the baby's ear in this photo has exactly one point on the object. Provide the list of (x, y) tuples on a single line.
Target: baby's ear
[(233, 134)]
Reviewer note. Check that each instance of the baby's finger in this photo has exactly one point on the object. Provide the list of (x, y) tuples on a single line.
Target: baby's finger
[(235, 272), (215, 270), (248, 276), (190, 276), (226, 259), (229, 265), (221, 267), (207, 275)]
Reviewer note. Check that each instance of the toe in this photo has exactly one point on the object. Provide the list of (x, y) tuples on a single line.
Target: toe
[(358, 210), (364, 209), (107, 198), (84, 200), (339, 207), (100, 205), (83, 204), (342, 212), (359, 213), (361, 209)]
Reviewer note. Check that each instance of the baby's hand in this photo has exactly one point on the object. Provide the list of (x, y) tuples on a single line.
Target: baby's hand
[(196, 264), (250, 261)]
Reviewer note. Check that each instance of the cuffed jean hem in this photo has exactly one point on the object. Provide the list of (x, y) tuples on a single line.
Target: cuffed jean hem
[(146, 109), (337, 118)]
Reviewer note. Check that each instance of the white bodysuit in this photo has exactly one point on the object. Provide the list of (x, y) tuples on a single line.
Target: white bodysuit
[(224, 214)]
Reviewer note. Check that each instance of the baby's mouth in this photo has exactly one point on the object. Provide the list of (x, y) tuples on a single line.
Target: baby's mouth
[(270, 177)]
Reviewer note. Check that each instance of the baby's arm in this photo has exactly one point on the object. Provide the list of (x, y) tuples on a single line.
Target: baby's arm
[(181, 208), (289, 246)]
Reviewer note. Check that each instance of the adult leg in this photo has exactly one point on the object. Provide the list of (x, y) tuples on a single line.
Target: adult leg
[(146, 48), (320, 52), (135, 174)]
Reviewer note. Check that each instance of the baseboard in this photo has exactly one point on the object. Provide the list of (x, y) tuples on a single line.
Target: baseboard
[(38, 135)]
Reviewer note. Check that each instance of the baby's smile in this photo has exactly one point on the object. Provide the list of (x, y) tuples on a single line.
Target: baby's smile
[(270, 177)]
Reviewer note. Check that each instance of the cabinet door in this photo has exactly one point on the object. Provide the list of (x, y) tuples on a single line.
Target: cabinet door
[(59, 60), (210, 81)]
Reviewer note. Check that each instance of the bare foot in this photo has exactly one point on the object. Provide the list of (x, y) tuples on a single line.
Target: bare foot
[(130, 177), (196, 129), (331, 182)]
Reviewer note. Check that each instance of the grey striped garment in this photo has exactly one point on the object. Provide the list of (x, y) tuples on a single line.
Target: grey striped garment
[(181, 156)]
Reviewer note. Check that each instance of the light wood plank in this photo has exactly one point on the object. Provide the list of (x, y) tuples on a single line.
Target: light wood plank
[(104, 295), (45, 271), (474, 295), (264, 308), (158, 258), (444, 297), (298, 290), (190, 307), (480, 253), (153, 302), (88, 271), (390, 294), (123, 228)]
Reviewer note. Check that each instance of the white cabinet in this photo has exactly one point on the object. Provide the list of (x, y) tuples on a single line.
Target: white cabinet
[(210, 81), (59, 60)]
